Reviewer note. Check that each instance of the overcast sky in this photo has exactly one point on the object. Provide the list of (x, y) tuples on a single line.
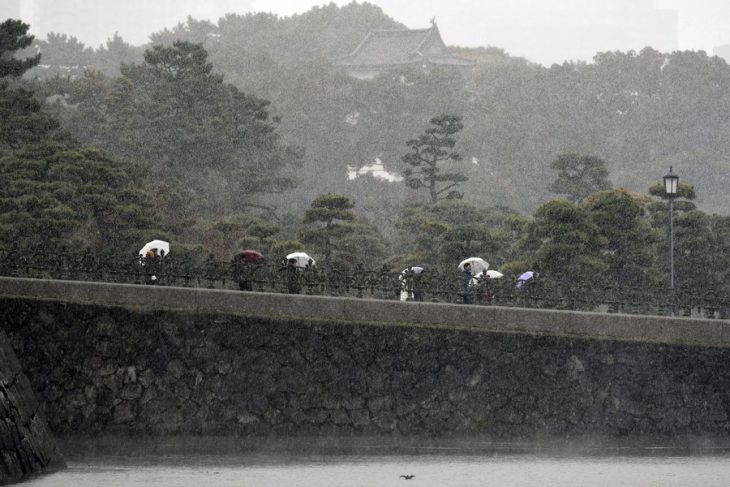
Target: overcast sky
[(544, 31)]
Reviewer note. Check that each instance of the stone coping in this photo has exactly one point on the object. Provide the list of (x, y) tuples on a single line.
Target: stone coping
[(254, 450), (334, 310)]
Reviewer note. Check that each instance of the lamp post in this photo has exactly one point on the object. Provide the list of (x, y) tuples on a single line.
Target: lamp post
[(671, 181)]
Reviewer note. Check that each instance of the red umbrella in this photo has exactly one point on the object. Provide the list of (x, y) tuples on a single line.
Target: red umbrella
[(251, 256)]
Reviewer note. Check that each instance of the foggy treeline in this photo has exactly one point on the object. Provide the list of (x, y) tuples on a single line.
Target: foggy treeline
[(219, 136), (640, 112)]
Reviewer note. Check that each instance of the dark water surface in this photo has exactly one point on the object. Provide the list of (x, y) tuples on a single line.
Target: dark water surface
[(323, 463)]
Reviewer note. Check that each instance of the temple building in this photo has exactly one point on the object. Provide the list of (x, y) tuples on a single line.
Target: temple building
[(382, 50)]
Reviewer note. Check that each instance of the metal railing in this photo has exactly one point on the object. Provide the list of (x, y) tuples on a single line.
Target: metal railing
[(358, 281)]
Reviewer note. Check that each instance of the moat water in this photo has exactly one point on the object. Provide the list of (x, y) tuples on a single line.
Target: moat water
[(429, 466)]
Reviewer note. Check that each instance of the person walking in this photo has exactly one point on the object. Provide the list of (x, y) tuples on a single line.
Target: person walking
[(466, 279), (292, 277)]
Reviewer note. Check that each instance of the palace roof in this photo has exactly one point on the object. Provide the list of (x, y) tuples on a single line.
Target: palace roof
[(402, 47)]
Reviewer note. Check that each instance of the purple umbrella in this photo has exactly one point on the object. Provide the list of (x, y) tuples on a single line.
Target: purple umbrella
[(524, 277)]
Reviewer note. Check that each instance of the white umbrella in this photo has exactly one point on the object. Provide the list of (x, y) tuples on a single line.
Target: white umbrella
[(160, 245), (414, 269), (477, 265), (490, 274), (302, 259)]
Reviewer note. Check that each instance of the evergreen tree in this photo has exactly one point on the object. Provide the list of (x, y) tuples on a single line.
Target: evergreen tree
[(115, 52), (566, 249), (451, 230), (195, 133), (579, 176), (23, 121), (63, 55), (14, 37), (58, 191), (20, 112), (719, 283), (362, 244), (330, 214), (52, 189), (696, 260), (429, 150), (631, 245)]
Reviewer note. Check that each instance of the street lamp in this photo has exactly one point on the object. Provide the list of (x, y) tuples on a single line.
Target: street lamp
[(671, 181)]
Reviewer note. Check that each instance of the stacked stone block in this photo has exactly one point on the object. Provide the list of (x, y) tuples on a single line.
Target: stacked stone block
[(102, 369), (26, 446)]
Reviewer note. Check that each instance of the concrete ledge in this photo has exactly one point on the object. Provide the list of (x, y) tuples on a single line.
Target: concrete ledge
[(488, 319)]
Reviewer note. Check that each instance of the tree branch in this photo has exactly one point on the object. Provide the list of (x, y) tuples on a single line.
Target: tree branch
[(446, 187)]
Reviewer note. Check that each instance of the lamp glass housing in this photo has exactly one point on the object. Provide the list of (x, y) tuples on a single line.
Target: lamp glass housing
[(671, 181)]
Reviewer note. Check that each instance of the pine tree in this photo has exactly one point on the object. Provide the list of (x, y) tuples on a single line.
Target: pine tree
[(13, 38), (579, 176), (20, 112), (329, 213), (431, 149), (59, 191), (53, 189)]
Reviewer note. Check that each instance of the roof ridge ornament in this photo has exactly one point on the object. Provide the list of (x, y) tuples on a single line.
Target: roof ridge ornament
[(427, 37)]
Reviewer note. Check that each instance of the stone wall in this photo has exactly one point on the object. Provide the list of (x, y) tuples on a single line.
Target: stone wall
[(152, 369), (26, 446)]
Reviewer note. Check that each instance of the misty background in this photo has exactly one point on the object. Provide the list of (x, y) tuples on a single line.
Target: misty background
[(535, 137), (544, 32), (238, 129)]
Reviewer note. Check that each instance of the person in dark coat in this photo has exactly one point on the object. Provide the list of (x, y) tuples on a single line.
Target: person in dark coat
[(242, 274), (466, 277), (244, 268), (418, 287), (292, 277)]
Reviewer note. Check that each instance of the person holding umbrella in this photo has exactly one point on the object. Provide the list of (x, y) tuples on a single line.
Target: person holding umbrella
[(295, 264), (292, 276), (410, 279), (243, 267), (526, 278), (524, 282), (151, 257), (417, 287), (466, 278), (485, 291)]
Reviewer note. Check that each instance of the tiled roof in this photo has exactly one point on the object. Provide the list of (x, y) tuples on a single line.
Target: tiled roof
[(397, 47)]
